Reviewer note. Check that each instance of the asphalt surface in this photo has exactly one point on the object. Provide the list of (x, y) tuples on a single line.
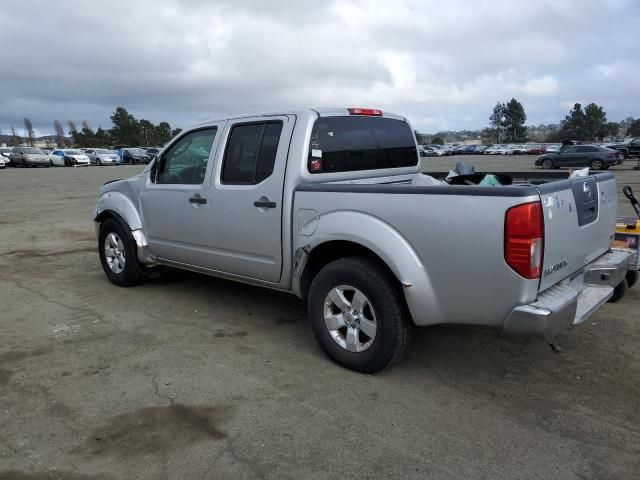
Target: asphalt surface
[(193, 377)]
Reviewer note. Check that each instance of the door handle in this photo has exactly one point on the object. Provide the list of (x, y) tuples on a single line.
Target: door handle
[(264, 204), (197, 199)]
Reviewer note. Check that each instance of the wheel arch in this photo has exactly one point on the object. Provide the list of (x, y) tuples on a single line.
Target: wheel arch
[(370, 237)]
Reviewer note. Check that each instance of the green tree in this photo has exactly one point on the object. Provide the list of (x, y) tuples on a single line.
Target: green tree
[(595, 120), (514, 121), (634, 128), (175, 132), (162, 134), (573, 125), (612, 129), (437, 140), (126, 129), (496, 120), (147, 132)]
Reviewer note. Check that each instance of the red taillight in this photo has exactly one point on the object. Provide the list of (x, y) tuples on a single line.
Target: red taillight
[(524, 239), (365, 111)]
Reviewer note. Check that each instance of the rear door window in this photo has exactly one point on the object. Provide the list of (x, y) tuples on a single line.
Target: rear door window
[(251, 153), (344, 144)]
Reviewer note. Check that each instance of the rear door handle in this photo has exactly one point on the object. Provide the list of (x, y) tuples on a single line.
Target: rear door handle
[(264, 204), (198, 199)]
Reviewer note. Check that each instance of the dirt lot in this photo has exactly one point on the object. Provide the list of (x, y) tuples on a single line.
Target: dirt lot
[(193, 377)]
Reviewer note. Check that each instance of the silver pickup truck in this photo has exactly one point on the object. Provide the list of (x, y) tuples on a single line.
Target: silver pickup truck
[(331, 205)]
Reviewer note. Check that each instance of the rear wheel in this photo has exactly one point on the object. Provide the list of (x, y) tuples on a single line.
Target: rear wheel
[(118, 256), (547, 163), (632, 278), (619, 291), (358, 315), (596, 164)]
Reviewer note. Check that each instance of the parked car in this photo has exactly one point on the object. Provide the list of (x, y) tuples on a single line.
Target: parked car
[(68, 157), (592, 156), (28, 157), (101, 156), (553, 147), (152, 152), (426, 151), (628, 148), (5, 153), (332, 207), (537, 149), (133, 155), (494, 150), (3, 162)]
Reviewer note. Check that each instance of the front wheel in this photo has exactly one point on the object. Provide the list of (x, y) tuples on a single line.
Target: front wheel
[(117, 250), (596, 164), (358, 315), (547, 164)]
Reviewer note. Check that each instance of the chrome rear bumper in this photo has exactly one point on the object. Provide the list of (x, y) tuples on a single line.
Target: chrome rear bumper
[(571, 301)]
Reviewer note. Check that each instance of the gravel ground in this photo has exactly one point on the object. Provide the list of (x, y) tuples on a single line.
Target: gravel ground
[(193, 377)]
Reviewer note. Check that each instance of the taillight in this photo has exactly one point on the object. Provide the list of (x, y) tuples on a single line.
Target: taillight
[(524, 239), (365, 111)]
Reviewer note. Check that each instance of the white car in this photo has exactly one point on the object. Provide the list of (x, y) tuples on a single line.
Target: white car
[(495, 150), (101, 156), (68, 157), (3, 163)]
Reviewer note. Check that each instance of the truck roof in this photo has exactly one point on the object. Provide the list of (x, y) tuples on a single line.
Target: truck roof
[(320, 112)]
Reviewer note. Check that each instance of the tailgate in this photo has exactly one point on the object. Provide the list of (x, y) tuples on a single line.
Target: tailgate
[(579, 222)]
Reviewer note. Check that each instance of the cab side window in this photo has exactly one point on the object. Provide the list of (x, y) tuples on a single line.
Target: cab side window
[(251, 153), (186, 161)]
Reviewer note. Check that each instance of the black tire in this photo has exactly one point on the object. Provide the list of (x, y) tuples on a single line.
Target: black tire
[(631, 278), (99, 162), (619, 291), (547, 163), (51, 163), (596, 164), (130, 274), (393, 327)]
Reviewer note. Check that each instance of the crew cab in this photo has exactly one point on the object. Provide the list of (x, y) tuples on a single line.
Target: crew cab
[(331, 205)]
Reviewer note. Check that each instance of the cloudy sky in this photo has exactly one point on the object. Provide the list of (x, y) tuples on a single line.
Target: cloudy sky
[(444, 64)]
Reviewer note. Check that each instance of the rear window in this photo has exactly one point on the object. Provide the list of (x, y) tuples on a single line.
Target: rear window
[(345, 144)]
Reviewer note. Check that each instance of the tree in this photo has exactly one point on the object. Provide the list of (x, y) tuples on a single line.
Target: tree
[(57, 126), (175, 132), (147, 130), (437, 140), (15, 138), (612, 129), (126, 129), (163, 133), (634, 129), (594, 122), (514, 121), (28, 132), (573, 125), (72, 128), (496, 119)]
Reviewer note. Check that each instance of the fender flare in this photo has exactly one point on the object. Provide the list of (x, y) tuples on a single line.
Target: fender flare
[(387, 243), (118, 203)]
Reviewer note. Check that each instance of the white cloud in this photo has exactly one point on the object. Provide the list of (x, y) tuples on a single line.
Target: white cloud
[(444, 64)]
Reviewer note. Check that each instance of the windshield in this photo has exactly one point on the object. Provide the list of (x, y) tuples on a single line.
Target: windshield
[(73, 152), (33, 150), (343, 144)]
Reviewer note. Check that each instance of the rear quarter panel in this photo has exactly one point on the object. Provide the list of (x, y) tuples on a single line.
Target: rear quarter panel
[(448, 248)]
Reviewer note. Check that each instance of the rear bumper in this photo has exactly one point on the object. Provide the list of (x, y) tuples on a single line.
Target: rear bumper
[(571, 301)]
